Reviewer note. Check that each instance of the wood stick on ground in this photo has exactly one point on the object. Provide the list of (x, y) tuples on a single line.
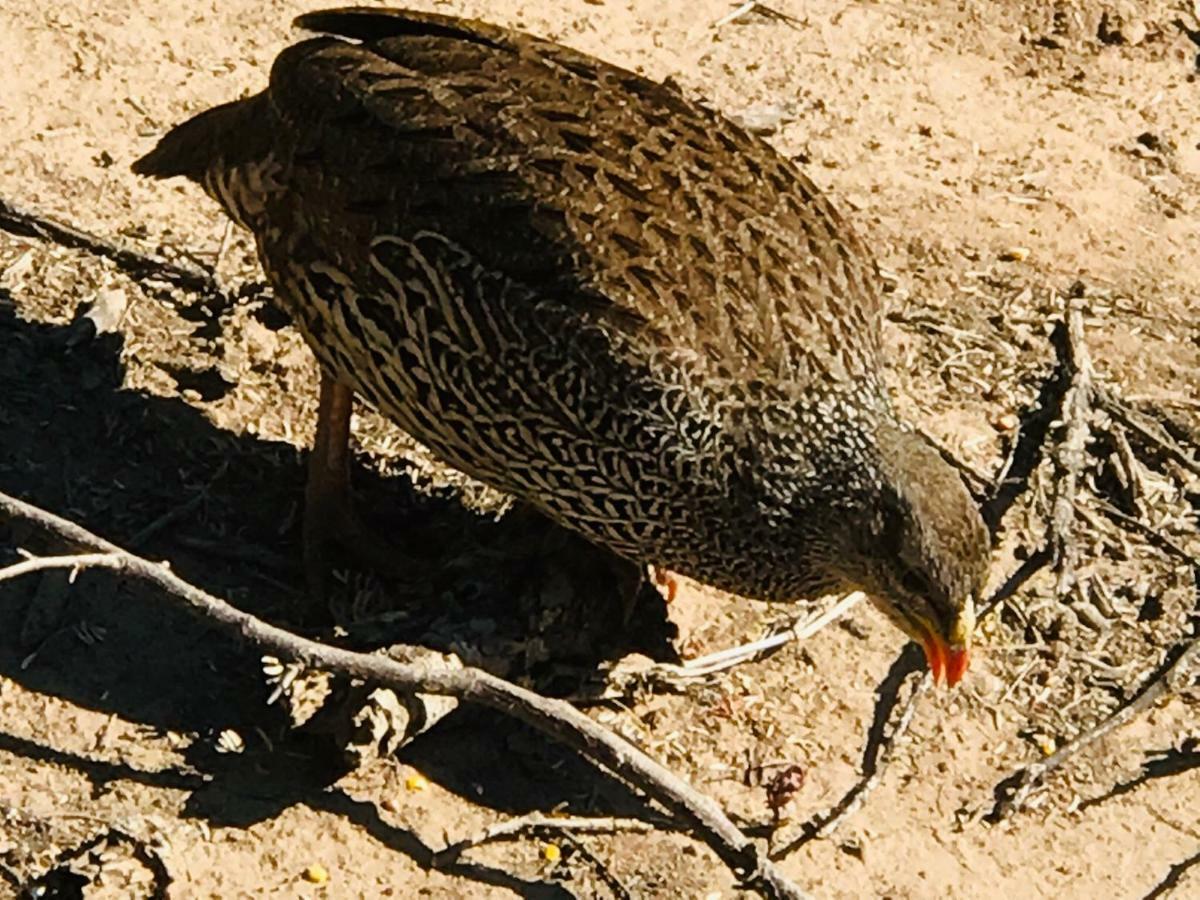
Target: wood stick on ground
[(537, 823), (1145, 428), (27, 223), (1170, 676), (634, 672), (976, 480), (601, 868), (699, 813), (1070, 459), (1152, 535), (761, 9)]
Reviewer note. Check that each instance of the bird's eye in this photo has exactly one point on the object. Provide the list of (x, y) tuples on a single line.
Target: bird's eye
[(914, 583)]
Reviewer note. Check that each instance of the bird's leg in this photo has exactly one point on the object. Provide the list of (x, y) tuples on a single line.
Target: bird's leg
[(329, 515), (630, 577)]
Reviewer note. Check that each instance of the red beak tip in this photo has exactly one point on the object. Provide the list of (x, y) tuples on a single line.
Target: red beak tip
[(956, 666), (945, 662), (935, 657)]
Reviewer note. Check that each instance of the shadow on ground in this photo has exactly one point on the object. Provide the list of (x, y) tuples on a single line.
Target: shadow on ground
[(155, 475)]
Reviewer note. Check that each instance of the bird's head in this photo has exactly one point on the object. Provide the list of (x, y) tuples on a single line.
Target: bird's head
[(923, 555)]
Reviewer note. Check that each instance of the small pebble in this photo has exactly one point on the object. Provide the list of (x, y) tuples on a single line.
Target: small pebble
[(316, 874)]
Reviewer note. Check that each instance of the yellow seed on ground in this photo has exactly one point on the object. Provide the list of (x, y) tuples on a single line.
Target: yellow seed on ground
[(416, 782), (551, 853), (316, 873), (1047, 745)]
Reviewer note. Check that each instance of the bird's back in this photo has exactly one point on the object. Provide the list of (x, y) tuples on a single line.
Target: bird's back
[(568, 175)]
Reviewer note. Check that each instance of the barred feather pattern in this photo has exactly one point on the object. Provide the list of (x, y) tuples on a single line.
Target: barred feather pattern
[(577, 285)]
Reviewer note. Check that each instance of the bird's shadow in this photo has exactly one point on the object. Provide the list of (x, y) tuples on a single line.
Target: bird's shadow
[(155, 474)]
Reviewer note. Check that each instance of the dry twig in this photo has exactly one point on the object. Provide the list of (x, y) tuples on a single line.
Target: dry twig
[(555, 718), (754, 7), (1071, 456), (635, 671), (27, 223), (1171, 675), (1145, 429)]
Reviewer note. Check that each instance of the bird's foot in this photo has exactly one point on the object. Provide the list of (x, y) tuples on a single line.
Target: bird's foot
[(332, 521), (631, 577), (666, 582), (329, 515)]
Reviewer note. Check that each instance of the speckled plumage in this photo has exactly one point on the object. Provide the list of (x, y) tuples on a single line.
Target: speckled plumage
[(578, 286)]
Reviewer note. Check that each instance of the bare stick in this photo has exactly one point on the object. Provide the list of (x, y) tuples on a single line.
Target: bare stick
[(761, 9), (1149, 532), (976, 480), (555, 718), (619, 890), (621, 678), (1170, 676), (536, 823), (27, 223), (1146, 429), (1070, 458), (1033, 564)]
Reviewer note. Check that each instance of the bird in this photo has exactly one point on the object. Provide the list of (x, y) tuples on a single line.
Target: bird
[(605, 298)]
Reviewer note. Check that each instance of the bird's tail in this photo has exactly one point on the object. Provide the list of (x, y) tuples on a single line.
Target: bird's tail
[(226, 134)]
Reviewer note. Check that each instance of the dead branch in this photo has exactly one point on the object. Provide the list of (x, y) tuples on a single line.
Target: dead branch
[(536, 823), (1170, 676), (27, 223), (1033, 564), (1070, 459), (636, 671), (976, 480), (555, 718), (1151, 534), (601, 868), (757, 8), (1145, 428)]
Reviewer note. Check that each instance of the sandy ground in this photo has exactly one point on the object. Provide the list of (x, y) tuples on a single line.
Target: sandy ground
[(999, 156)]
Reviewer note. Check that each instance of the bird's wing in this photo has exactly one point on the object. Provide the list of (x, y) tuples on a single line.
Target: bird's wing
[(577, 179)]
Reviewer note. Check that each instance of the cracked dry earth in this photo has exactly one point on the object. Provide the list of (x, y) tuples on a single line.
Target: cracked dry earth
[(1000, 158)]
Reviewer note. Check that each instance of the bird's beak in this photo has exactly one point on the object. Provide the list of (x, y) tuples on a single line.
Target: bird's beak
[(945, 661), (949, 660)]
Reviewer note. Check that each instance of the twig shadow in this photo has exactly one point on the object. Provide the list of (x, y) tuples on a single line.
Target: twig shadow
[(1161, 764)]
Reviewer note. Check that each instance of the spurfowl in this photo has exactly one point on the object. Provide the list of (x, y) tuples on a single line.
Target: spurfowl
[(577, 285)]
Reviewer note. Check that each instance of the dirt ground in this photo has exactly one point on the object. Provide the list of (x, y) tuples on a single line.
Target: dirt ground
[(999, 156)]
